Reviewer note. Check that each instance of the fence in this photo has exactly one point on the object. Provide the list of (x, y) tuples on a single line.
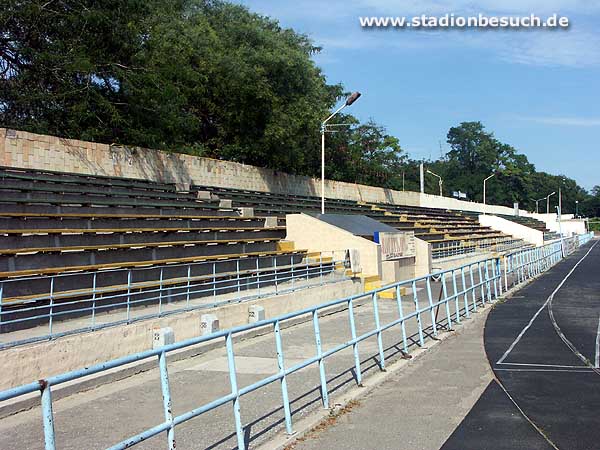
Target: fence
[(450, 248), (463, 289), (113, 297)]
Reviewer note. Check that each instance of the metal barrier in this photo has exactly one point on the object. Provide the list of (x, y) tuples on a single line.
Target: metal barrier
[(455, 248), (131, 292), (462, 289)]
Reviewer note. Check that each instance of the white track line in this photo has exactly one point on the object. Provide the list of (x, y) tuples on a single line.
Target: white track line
[(597, 365), (524, 330), (580, 370), (551, 366)]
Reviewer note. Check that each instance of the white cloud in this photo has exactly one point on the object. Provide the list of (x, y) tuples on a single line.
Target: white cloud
[(553, 48), (564, 121), (334, 25), (484, 6)]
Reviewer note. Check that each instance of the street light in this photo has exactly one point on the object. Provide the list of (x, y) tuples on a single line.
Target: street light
[(440, 178), (494, 174), (562, 181), (351, 99), (576, 208), (536, 204), (548, 202)]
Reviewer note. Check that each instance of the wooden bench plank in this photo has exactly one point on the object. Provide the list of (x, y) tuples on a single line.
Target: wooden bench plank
[(75, 248), (132, 264), (34, 231)]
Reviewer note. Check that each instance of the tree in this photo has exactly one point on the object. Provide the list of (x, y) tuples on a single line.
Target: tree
[(189, 75)]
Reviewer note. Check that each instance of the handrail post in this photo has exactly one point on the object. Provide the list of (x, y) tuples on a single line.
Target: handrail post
[(160, 291), (456, 302), (275, 271), (354, 343), (465, 294), (128, 295), (321, 266), (292, 270), (401, 317), (258, 276), (473, 288), (488, 283), (166, 396), (418, 311), (324, 393), (93, 300), (1, 299), (446, 303), (48, 416), (189, 281), (214, 278), (239, 430), (239, 281), (430, 300), (481, 283), (284, 391), (378, 328), (50, 317)]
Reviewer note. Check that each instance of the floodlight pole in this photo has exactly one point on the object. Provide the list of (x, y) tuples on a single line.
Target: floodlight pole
[(351, 99), (440, 180), (548, 202), (537, 211), (492, 175), (562, 180)]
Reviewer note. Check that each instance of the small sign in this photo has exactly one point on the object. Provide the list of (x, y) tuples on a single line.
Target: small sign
[(395, 245)]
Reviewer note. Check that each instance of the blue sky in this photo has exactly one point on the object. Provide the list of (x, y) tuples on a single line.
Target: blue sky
[(536, 90)]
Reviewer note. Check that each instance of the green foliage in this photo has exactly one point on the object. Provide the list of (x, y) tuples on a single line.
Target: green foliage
[(210, 78), (185, 74), (363, 153)]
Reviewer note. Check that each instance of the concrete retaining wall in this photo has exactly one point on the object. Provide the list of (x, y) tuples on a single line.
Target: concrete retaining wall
[(514, 229), (568, 223), (34, 151), (28, 363)]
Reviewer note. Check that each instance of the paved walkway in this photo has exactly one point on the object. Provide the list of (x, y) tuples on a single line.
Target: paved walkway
[(419, 406), (542, 396), (110, 413)]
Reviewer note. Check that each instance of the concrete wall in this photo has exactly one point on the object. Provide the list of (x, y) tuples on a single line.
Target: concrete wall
[(31, 362), (512, 228), (310, 233), (34, 151), (568, 223), (423, 259)]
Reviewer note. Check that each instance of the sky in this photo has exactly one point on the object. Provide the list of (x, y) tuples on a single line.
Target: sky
[(538, 90)]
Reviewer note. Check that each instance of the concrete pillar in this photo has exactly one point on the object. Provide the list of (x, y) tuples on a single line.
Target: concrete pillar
[(209, 324), (256, 313), (162, 337)]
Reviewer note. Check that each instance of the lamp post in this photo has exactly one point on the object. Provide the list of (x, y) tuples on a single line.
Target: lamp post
[(351, 99), (548, 202), (562, 181), (492, 175), (536, 204), (576, 208), (440, 179)]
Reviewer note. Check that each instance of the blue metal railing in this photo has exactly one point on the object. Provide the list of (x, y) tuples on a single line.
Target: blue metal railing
[(472, 285), (153, 287)]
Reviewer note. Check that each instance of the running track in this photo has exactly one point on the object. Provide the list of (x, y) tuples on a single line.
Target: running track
[(543, 346)]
